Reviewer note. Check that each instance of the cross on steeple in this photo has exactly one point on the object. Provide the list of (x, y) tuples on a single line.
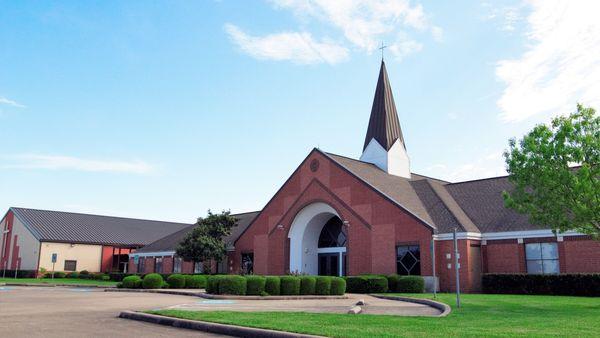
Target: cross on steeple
[(382, 48)]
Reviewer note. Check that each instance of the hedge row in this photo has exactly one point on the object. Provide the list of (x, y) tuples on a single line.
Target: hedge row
[(275, 285), (562, 284), (382, 284), (156, 281), (80, 275)]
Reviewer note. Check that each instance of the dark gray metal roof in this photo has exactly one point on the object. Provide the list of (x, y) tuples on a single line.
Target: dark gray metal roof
[(69, 227), (170, 242), (384, 125)]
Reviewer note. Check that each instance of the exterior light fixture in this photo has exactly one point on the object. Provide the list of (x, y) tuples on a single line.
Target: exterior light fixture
[(280, 226), (346, 223)]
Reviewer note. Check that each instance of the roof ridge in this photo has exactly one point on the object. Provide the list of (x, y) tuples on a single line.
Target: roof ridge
[(436, 191), (479, 179), (97, 215)]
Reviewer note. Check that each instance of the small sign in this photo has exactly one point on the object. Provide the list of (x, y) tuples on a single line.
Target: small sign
[(136, 259), (54, 257)]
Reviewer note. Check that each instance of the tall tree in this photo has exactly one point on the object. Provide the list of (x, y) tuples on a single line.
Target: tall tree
[(556, 173), (205, 242)]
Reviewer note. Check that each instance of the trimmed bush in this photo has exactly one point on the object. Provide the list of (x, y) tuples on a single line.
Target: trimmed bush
[(73, 274), (212, 284), (338, 286), (255, 285), (117, 276), (101, 276), (57, 274), (393, 282), (195, 281), (410, 284), (84, 274), (176, 281), (132, 282), (357, 284), (273, 285), (323, 286), (587, 285), (307, 285), (152, 281), (232, 285), (290, 285), (377, 284), (23, 273)]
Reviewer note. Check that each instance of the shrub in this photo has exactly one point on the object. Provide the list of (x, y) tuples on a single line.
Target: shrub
[(117, 276), (132, 282), (232, 285), (563, 284), (195, 281), (307, 285), (73, 274), (411, 284), (377, 284), (57, 274), (176, 281), (393, 282), (152, 281), (323, 286), (338, 286), (290, 285), (84, 274), (255, 285), (356, 284), (212, 284), (100, 276), (273, 285)]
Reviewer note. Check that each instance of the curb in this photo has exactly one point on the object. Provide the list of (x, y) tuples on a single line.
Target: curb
[(231, 330), (446, 309), (47, 285), (229, 297)]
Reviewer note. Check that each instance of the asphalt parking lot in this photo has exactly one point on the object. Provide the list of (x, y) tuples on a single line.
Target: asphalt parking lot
[(79, 312)]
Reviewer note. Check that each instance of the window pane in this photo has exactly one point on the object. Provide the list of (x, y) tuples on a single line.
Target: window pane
[(533, 251), (408, 260), (70, 265), (551, 266), (549, 251), (534, 266), (198, 267)]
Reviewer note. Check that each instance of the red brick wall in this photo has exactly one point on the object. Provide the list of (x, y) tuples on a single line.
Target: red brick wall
[(167, 264), (581, 255), (505, 256), (376, 224)]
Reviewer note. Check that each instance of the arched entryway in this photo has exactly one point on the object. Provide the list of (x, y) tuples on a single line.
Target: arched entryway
[(318, 241)]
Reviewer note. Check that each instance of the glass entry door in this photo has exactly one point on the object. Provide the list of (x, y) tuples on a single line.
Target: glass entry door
[(330, 263)]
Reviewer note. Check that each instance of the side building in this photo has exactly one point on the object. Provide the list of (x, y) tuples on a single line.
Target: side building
[(160, 256), (31, 237)]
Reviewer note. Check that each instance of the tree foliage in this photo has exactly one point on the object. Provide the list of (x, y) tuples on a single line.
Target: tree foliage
[(555, 172), (205, 242)]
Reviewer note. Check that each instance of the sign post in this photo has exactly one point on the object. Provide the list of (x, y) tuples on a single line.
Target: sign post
[(54, 256), (456, 267), (433, 267)]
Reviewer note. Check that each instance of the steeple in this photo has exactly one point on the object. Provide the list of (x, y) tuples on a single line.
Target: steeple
[(384, 144)]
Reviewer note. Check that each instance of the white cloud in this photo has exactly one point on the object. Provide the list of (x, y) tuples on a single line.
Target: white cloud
[(299, 47), (507, 17), (487, 165), (404, 46), (363, 22), (560, 66), (56, 162), (6, 101)]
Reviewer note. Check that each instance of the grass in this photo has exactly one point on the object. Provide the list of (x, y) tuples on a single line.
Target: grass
[(57, 281), (480, 315)]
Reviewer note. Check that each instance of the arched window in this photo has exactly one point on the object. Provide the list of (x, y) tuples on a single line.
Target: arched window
[(332, 234)]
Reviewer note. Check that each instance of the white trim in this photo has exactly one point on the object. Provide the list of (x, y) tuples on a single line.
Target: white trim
[(153, 254), (334, 249), (490, 236)]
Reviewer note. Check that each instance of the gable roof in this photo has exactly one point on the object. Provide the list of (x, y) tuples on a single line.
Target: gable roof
[(170, 242), (384, 125), (70, 227)]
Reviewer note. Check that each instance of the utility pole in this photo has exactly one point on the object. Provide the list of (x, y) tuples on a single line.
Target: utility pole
[(456, 268)]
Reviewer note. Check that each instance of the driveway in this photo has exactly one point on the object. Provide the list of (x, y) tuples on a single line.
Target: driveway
[(78, 312)]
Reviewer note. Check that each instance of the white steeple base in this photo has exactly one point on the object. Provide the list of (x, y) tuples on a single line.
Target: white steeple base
[(394, 161)]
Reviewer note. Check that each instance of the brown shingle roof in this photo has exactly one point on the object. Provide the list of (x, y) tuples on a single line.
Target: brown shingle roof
[(69, 227), (170, 242)]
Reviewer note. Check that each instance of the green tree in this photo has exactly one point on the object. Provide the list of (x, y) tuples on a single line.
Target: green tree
[(205, 242), (555, 172)]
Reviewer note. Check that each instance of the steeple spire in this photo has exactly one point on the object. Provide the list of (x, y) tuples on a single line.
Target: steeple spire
[(384, 143)]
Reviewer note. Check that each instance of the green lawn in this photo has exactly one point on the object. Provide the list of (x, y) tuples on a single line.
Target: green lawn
[(57, 281), (480, 315)]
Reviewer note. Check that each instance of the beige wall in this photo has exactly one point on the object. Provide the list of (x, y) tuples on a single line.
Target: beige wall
[(88, 257), (28, 245)]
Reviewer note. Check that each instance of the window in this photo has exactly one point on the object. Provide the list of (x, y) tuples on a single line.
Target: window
[(408, 260), (140, 264), (177, 264), (542, 258), (158, 264), (332, 235), (198, 267), (248, 263), (70, 265)]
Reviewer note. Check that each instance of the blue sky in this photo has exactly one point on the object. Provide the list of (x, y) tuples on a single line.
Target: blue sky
[(165, 109)]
